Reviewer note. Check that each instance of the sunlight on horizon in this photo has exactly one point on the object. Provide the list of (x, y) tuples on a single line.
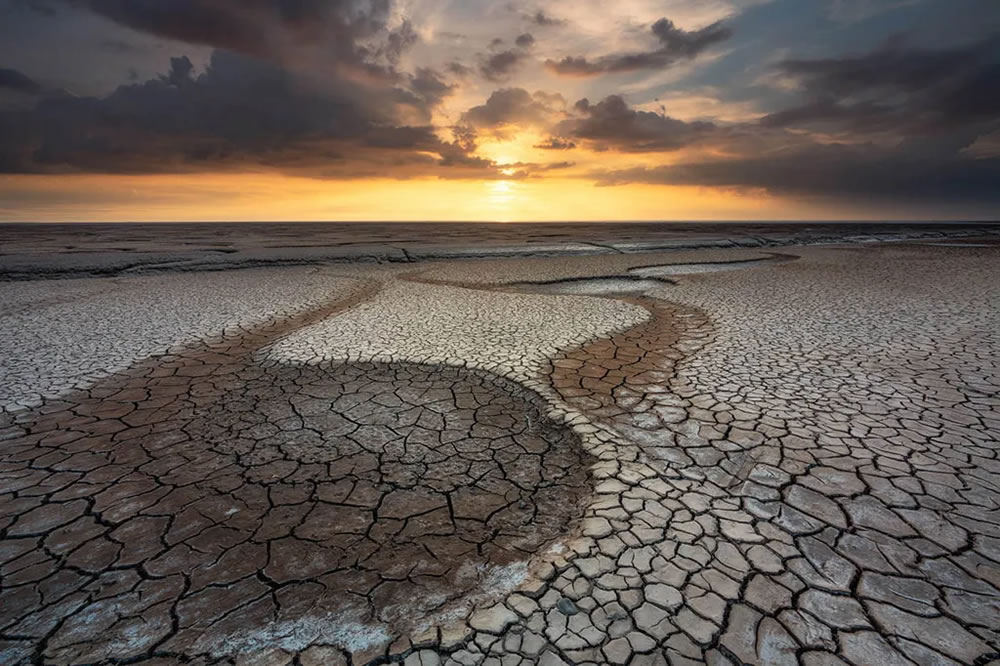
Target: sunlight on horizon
[(270, 196)]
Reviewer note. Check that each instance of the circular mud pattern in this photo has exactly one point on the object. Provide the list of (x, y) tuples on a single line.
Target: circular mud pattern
[(410, 481), (209, 504)]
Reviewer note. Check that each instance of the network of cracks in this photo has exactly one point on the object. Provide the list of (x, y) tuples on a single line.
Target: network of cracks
[(215, 506), (208, 503)]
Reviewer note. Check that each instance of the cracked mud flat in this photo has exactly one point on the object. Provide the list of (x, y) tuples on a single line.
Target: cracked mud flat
[(63, 330), (791, 464), (205, 503)]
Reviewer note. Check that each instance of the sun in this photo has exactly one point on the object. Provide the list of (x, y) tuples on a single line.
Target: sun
[(501, 196)]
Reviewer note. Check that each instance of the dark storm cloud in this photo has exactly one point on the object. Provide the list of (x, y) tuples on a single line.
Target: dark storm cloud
[(894, 124), (36, 6), (898, 87), (687, 44), (119, 46), (895, 66), (237, 26), (180, 71), (861, 116), (675, 44), (544, 20), (514, 106), (232, 24), (242, 112), (399, 41), (612, 124), (458, 69), (500, 66), (429, 86), (267, 28), (309, 86), (926, 108), (556, 143), (838, 171), (11, 79)]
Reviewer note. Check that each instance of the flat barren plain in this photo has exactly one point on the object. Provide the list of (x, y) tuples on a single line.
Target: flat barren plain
[(727, 455)]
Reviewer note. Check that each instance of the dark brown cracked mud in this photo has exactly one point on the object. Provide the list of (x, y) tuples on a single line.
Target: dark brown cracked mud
[(202, 505), (615, 379)]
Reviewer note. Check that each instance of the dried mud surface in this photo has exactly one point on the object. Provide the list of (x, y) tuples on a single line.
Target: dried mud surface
[(791, 464)]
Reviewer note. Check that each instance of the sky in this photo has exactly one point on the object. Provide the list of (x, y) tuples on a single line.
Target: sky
[(499, 110)]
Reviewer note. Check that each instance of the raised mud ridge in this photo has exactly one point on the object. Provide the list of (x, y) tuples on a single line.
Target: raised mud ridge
[(640, 279)]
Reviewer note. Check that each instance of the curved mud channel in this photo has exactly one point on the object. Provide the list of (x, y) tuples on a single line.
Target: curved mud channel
[(213, 503)]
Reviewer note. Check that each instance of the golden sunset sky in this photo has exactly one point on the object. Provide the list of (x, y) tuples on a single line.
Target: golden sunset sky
[(525, 110)]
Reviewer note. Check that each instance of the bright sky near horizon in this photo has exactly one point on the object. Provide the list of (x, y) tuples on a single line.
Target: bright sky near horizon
[(519, 110)]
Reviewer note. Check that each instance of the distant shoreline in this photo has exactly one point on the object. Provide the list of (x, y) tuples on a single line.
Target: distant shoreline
[(34, 251)]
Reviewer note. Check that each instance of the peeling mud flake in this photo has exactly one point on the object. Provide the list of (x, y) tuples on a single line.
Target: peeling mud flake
[(298, 634), (667, 270), (598, 286)]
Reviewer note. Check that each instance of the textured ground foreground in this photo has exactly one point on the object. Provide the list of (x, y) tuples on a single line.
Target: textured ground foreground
[(751, 458)]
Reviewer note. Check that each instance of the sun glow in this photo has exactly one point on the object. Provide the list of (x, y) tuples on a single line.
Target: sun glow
[(502, 195), (250, 197)]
